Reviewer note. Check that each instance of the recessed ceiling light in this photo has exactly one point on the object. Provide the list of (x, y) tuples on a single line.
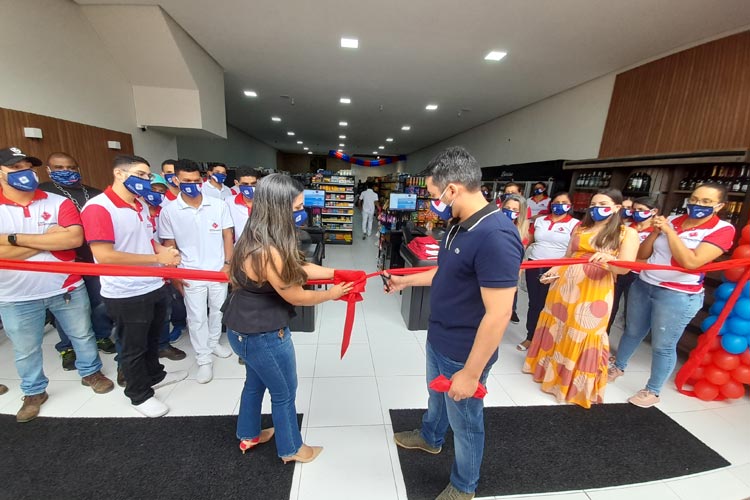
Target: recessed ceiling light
[(349, 43), (495, 55), (300, 142), (389, 139), (275, 119), (342, 137), (343, 124), (406, 127), (341, 145), (374, 152), (309, 152), (381, 147), (251, 93), (345, 100), (431, 107), (306, 148), (290, 133), (341, 150)]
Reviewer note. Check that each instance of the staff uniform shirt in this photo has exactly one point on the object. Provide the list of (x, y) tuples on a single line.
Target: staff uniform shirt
[(483, 251), (539, 207), (110, 219), (44, 211), (642, 235), (368, 199), (209, 190), (714, 231), (197, 232), (168, 198), (239, 213), (551, 238)]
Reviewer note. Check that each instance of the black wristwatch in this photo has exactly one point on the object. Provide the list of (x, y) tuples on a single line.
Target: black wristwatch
[(12, 239)]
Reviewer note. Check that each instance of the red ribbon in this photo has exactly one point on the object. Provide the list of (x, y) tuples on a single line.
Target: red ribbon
[(359, 280), (442, 384)]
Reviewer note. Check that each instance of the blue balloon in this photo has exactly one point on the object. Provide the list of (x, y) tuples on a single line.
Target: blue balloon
[(746, 290), (716, 307), (738, 326), (724, 290), (742, 309), (734, 344), (708, 322)]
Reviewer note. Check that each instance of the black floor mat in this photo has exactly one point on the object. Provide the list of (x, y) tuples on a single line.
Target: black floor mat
[(539, 449), (126, 458)]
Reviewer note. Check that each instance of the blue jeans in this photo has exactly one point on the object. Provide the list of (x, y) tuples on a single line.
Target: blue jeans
[(465, 417), (100, 321), (270, 364), (665, 313), (24, 324)]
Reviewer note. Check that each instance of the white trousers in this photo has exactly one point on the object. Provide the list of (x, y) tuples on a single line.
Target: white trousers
[(203, 301), (367, 223)]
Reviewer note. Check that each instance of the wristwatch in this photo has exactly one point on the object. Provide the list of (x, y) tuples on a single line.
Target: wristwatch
[(12, 239)]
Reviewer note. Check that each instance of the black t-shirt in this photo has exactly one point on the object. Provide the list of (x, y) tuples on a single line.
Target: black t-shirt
[(79, 195)]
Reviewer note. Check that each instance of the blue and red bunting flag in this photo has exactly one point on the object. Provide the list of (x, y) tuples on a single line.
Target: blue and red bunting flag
[(366, 163)]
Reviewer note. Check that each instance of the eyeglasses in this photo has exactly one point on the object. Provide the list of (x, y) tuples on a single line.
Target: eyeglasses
[(146, 176), (705, 201)]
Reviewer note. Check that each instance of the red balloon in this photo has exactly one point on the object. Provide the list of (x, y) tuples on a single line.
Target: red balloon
[(698, 374), (725, 361), (741, 252), (716, 375), (745, 357), (707, 359), (734, 274), (745, 239), (732, 390), (741, 374), (705, 390), (715, 344)]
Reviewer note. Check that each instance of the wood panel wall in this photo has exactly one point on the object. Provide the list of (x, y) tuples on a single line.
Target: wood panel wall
[(87, 144), (697, 99)]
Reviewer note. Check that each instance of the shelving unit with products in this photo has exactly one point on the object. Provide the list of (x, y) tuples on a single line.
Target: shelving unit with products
[(670, 179), (337, 214)]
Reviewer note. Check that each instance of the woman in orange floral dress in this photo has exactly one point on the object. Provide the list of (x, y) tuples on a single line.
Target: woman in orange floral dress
[(570, 351)]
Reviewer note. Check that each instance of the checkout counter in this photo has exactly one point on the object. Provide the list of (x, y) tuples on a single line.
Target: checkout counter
[(312, 246), (415, 300)]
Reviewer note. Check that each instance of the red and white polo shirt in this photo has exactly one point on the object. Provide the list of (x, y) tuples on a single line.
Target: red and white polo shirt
[(551, 238), (44, 211), (168, 198), (714, 231), (540, 207), (110, 219), (240, 213)]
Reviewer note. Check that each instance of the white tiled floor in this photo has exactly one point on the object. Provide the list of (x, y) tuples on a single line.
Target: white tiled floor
[(346, 402)]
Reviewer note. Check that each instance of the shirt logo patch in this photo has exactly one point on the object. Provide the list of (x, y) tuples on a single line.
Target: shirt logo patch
[(457, 250), (214, 225), (46, 215), (693, 234)]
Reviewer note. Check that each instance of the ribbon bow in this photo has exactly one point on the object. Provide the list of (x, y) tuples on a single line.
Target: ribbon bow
[(359, 280), (442, 384)]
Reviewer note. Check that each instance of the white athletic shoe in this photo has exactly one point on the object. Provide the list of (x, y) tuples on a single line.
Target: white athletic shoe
[(171, 378), (152, 408), (222, 351), (205, 373)]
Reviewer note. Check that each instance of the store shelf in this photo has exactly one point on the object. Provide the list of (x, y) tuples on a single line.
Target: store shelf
[(338, 209), (334, 184)]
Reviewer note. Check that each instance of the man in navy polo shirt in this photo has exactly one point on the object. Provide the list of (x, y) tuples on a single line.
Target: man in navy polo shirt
[(471, 303)]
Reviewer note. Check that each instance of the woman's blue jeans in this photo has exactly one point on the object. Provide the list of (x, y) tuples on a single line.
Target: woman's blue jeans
[(270, 364), (663, 312), (465, 417)]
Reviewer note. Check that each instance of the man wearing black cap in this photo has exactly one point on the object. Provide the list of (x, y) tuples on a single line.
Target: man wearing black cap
[(66, 181), (39, 227)]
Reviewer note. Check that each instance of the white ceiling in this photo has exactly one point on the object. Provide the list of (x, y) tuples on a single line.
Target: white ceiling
[(415, 52)]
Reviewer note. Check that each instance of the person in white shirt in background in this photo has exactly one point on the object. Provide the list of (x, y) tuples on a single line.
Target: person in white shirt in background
[(215, 188), (200, 227), (241, 204), (368, 200), (539, 201)]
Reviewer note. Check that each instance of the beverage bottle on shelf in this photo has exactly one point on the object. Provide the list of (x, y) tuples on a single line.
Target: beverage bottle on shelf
[(646, 186), (714, 173), (736, 186), (684, 183), (745, 181)]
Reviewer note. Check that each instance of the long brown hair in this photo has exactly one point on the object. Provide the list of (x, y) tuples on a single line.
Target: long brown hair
[(608, 238), (522, 221), (270, 226)]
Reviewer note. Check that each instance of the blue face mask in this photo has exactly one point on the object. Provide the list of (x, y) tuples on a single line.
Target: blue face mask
[(601, 213), (247, 191), (191, 189), (170, 179), (23, 180), (539, 191), (510, 214), (300, 217), (695, 211), (559, 208), (626, 213), (153, 198), (504, 196), (220, 178), (642, 215), (444, 211), (65, 177), (137, 186)]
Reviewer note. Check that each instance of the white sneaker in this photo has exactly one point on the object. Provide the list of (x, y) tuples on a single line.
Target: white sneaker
[(222, 351), (152, 408), (205, 374), (171, 378)]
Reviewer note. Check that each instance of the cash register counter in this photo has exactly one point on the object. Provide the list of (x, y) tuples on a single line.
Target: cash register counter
[(415, 300)]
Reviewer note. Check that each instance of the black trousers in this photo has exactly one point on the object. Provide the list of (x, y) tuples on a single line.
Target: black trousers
[(138, 323), (537, 297), (622, 286)]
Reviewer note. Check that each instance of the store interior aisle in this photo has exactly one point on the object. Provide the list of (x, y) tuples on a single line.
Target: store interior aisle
[(346, 402)]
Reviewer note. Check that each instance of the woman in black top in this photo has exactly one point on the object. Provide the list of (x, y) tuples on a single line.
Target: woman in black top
[(267, 274)]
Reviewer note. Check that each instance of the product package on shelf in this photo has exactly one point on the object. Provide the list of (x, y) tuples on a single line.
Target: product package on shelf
[(338, 211)]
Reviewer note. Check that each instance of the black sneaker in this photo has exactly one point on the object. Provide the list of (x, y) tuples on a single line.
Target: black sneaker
[(106, 346), (514, 318), (68, 359)]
